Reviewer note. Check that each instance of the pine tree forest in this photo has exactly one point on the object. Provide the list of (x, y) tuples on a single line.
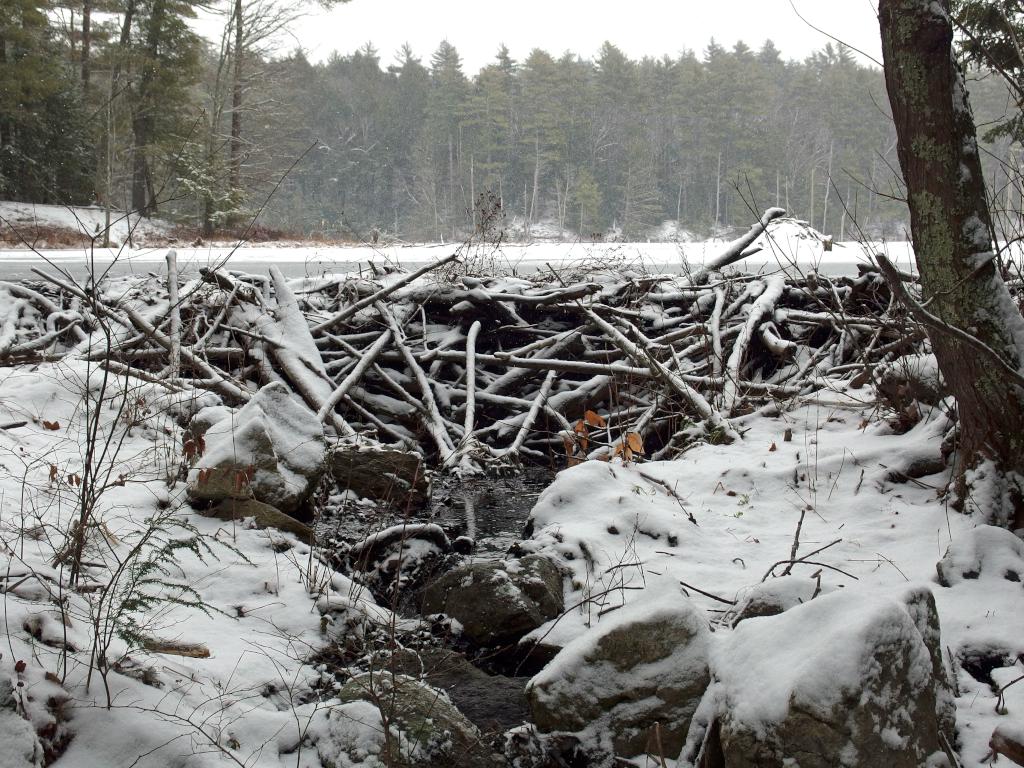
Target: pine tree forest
[(121, 103)]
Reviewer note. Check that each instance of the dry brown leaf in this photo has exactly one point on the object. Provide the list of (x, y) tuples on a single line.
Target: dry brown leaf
[(51, 425), (593, 419), (635, 443), (773, 447)]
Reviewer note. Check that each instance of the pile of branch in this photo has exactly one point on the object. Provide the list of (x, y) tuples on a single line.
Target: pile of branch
[(478, 372)]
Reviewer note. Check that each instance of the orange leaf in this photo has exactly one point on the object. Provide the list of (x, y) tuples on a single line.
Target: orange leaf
[(569, 444), (51, 425), (635, 443), (593, 419), (617, 450), (580, 428)]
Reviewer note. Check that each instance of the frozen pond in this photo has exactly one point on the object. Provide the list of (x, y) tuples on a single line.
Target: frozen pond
[(780, 251)]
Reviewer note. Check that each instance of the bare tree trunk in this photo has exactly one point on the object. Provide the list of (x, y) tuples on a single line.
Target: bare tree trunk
[(86, 43), (952, 232), (536, 179), (718, 193), (236, 100), (828, 189), (143, 120), (5, 124), (811, 217)]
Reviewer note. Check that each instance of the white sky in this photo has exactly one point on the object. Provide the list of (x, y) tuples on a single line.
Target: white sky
[(638, 27)]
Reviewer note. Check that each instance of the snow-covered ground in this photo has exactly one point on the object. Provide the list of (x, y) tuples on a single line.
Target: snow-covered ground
[(238, 683), (87, 221), (732, 513), (619, 527)]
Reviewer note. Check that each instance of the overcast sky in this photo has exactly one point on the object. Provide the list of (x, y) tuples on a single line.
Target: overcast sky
[(639, 27)]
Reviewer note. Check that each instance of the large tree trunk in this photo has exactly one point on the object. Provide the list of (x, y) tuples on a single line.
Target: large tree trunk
[(953, 237)]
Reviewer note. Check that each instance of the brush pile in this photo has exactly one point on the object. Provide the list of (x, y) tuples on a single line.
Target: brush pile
[(481, 372)]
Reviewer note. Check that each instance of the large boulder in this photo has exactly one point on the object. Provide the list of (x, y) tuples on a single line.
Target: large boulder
[(848, 679), (642, 666), (384, 474), (272, 449), (497, 603), (424, 728)]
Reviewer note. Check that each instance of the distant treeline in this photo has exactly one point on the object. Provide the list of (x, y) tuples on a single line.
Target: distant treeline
[(144, 114)]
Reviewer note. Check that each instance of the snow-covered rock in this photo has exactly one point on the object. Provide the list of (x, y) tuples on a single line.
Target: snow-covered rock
[(774, 596), (20, 745), (382, 473), (498, 603), (272, 449), (987, 552), (849, 679), (642, 665), (423, 728), (910, 378), (401, 556)]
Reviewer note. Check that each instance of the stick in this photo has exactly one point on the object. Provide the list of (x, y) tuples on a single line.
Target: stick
[(172, 296), (383, 293), (432, 416), (735, 251), (474, 331), (764, 304), (354, 376), (659, 371), (531, 417)]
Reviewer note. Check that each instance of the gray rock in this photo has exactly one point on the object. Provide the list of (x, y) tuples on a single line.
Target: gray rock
[(848, 679), (262, 516), (272, 450), (493, 703), (642, 666), (427, 730), (383, 474), (497, 603)]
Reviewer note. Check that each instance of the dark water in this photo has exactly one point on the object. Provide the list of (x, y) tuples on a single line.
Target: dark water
[(490, 510)]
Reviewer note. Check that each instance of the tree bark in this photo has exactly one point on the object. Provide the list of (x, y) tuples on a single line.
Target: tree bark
[(953, 236)]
